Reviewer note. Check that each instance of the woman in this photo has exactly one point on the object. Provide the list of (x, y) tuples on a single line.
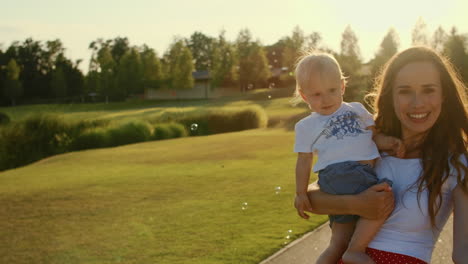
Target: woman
[(420, 99)]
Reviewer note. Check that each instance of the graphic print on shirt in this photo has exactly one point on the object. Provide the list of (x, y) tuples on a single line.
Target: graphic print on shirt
[(345, 124)]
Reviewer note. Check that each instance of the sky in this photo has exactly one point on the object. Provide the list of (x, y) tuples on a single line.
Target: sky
[(157, 22)]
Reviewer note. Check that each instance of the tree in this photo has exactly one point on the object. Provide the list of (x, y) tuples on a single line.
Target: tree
[(75, 78), (455, 49), (419, 34), (201, 47), (313, 41), (183, 79), (58, 83), (293, 47), (38, 63), (12, 86), (223, 62), (34, 63), (119, 47), (180, 65), (106, 63), (349, 44), (350, 62), (151, 66), (438, 39), (130, 74), (253, 64), (388, 48), (106, 68), (92, 83), (274, 54)]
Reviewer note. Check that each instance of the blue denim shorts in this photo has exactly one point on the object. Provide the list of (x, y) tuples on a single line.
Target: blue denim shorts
[(349, 177)]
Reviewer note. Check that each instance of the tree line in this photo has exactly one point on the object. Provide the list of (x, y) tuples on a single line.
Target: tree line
[(33, 71)]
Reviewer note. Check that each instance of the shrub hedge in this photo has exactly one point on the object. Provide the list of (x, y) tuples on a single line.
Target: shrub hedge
[(43, 135), (128, 133), (214, 122), (4, 119)]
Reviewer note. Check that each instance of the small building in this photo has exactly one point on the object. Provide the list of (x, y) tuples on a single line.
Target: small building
[(201, 89)]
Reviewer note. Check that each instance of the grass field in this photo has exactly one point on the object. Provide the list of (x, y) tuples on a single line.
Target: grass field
[(277, 107), (210, 199), (172, 201)]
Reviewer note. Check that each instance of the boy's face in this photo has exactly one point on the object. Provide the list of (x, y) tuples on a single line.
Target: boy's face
[(324, 94)]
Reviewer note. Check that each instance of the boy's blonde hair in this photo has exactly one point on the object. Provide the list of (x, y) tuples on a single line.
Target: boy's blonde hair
[(314, 61)]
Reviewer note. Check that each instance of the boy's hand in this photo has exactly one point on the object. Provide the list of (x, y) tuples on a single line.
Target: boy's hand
[(397, 147), (394, 146), (302, 205)]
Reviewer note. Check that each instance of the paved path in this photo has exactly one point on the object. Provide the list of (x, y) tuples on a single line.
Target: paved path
[(307, 248)]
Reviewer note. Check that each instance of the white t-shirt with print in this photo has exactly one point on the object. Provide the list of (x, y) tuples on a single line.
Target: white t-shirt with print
[(338, 137), (408, 230)]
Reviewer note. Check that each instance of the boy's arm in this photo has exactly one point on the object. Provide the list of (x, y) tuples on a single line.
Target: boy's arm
[(389, 144), (303, 170)]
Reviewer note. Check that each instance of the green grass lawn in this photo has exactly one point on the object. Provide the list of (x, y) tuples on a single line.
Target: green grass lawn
[(172, 201)]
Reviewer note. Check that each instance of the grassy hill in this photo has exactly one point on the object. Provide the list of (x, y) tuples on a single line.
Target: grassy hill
[(172, 201)]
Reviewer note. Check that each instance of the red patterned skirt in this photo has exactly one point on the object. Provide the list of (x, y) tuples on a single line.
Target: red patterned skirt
[(385, 257)]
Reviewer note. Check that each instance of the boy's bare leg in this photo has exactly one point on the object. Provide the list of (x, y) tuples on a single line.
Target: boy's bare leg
[(363, 234), (340, 236)]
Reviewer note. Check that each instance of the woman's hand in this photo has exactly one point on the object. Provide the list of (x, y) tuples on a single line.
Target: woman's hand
[(377, 202), (302, 205)]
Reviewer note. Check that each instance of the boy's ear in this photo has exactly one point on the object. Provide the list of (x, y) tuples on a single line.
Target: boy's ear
[(343, 87), (303, 96)]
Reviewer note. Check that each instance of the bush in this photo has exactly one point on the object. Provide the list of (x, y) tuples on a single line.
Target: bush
[(4, 119), (162, 131), (212, 122), (178, 130), (251, 118), (96, 138), (128, 133), (169, 130), (89, 124), (37, 137)]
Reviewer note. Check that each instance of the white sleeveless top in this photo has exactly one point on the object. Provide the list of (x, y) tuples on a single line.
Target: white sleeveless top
[(408, 230)]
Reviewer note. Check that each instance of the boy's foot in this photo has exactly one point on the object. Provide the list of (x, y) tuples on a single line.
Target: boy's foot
[(356, 257)]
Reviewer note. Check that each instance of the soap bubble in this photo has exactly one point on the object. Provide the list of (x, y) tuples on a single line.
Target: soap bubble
[(244, 206), (194, 127), (277, 189)]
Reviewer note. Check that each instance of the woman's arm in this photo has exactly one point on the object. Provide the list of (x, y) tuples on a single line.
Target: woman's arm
[(460, 226), (374, 203)]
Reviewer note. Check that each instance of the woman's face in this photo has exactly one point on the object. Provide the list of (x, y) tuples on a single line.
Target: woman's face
[(417, 97)]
